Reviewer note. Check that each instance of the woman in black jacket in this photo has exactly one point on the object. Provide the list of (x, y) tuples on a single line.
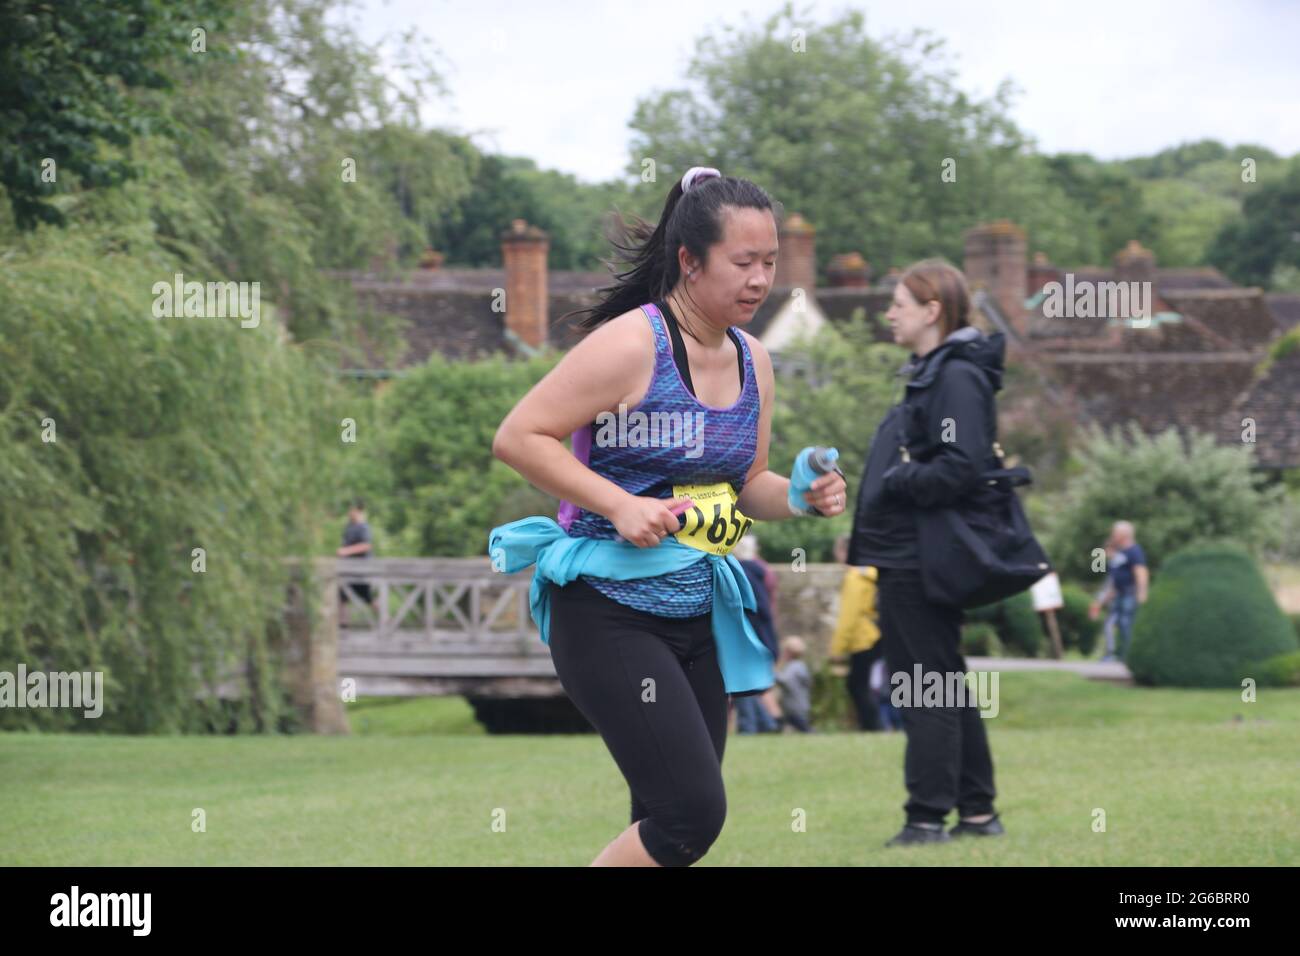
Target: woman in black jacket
[(929, 451)]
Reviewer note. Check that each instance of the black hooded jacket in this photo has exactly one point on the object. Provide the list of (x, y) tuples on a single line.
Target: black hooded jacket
[(947, 424)]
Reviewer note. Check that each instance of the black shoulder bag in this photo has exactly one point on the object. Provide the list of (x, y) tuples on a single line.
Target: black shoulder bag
[(981, 549)]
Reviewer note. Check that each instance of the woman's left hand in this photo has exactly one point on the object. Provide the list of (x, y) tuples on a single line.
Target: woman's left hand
[(829, 494)]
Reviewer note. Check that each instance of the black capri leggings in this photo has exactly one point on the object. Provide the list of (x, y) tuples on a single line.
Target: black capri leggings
[(667, 737)]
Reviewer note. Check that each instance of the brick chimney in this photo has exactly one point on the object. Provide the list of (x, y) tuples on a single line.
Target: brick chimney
[(849, 270), (1135, 263), (1042, 272), (996, 261), (523, 249), (796, 265)]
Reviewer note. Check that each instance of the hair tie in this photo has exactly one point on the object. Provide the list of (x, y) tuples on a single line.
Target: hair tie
[(696, 175)]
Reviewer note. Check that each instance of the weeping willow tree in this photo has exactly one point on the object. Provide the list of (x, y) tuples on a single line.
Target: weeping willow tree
[(156, 474), (160, 471)]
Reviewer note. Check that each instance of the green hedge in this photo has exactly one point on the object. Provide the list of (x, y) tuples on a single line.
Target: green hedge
[(1280, 671), (980, 639), (1019, 628)]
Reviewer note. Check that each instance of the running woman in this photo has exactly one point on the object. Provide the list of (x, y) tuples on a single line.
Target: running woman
[(651, 637)]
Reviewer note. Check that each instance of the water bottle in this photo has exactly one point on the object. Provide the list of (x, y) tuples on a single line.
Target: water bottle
[(809, 465)]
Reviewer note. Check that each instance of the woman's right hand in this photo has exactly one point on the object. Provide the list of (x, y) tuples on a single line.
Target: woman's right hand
[(647, 521)]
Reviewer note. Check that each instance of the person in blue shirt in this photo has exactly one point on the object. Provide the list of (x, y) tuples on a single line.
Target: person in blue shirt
[(1127, 578)]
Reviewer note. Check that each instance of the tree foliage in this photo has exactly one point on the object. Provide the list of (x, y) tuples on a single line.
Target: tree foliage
[(1265, 240), (1176, 489), (67, 72), (856, 134), (130, 441)]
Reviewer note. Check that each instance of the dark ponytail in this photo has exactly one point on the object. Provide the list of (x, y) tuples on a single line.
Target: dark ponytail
[(648, 254)]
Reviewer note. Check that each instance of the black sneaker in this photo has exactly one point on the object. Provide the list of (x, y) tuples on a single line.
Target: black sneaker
[(990, 827), (919, 833)]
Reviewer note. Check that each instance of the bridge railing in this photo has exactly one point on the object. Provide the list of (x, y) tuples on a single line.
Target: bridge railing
[(440, 598), (437, 626)]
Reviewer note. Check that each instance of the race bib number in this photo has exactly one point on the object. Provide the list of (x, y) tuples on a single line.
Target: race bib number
[(714, 524)]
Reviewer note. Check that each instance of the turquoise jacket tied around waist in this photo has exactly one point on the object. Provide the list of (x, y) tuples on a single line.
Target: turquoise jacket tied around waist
[(746, 664)]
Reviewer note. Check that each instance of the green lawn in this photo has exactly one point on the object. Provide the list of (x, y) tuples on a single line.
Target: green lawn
[(1185, 778)]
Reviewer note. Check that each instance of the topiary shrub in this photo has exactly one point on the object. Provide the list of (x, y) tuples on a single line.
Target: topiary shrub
[(1209, 618)]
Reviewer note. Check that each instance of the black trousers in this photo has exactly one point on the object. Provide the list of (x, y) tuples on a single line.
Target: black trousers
[(947, 760), (652, 688)]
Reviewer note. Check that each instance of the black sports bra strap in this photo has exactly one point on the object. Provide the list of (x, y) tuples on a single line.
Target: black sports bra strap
[(679, 349)]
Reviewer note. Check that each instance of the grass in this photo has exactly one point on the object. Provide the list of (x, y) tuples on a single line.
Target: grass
[(1184, 777)]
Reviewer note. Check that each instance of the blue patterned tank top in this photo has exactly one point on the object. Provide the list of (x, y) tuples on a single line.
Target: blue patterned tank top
[(722, 451)]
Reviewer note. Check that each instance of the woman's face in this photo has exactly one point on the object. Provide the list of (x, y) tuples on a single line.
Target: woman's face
[(908, 318), (737, 274)]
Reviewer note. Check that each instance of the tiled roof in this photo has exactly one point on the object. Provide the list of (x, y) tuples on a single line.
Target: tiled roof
[(1191, 320), (1285, 309), (1195, 366), (459, 324), (1203, 278), (839, 304), (473, 280), (1240, 316), (449, 310), (1174, 279), (1155, 390), (1273, 402)]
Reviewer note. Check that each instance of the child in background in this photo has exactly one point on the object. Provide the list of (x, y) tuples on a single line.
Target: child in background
[(795, 681)]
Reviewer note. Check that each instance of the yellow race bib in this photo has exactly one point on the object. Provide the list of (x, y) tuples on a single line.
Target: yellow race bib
[(714, 525)]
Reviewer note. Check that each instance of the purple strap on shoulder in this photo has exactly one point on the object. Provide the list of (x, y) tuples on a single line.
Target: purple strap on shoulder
[(582, 451)]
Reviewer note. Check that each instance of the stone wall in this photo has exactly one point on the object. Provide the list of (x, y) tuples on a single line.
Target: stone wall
[(807, 604)]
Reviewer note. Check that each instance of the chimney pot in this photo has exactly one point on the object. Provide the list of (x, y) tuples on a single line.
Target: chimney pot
[(1136, 263), (849, 270)]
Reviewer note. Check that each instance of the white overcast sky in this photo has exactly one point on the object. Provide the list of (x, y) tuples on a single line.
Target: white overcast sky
[(557, 80)]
